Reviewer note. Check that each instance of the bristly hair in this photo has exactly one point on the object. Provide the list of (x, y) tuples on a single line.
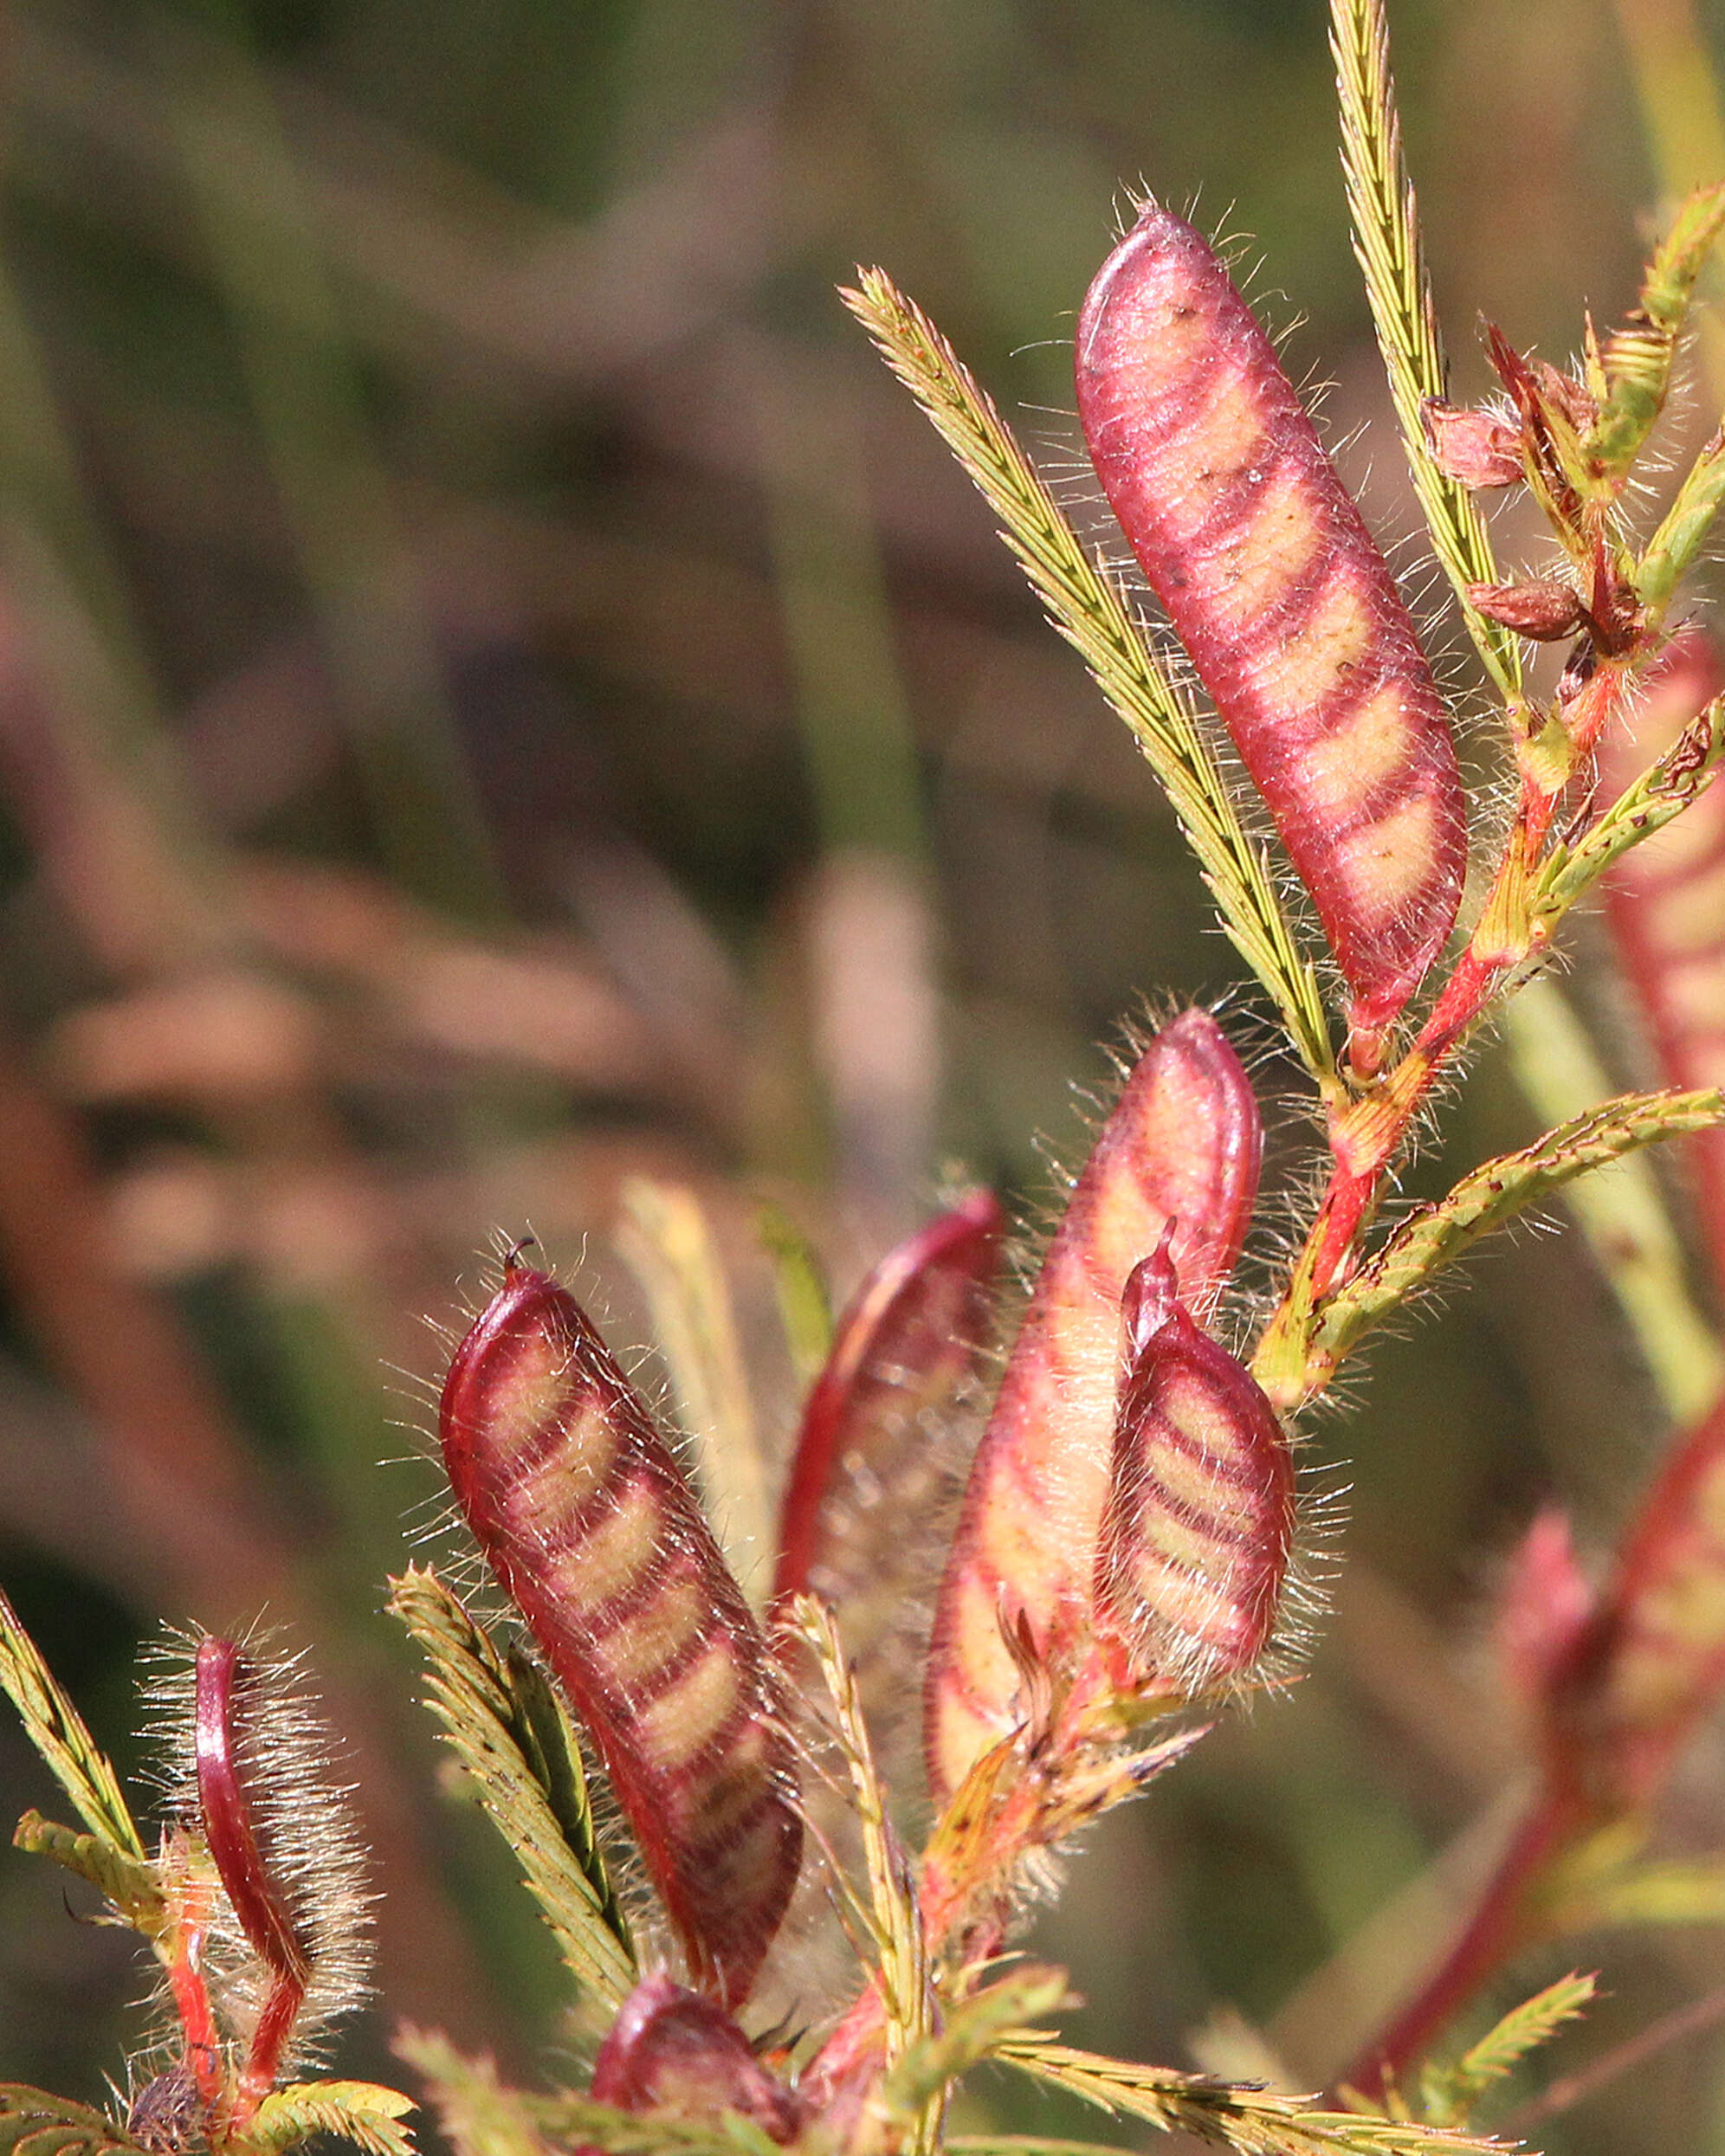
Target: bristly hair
[(287, 1763)]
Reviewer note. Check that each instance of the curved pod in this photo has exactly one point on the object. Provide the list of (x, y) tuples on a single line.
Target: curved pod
[(1177, 1157), (586, 1518), (1287, 609)]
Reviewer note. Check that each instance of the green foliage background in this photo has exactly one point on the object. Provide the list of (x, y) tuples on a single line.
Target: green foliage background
[(498, 693)]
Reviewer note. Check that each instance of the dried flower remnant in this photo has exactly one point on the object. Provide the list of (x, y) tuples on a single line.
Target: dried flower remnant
[(583, 1515), (1177, 1157), (1285, 607), (1474, 446), (1198, 1525), (868, 1464), (1665, 904)]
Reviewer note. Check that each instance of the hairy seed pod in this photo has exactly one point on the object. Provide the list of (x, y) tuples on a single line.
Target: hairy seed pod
[(865, 1469), (1177, 1157), (1665, 906), (252, 1774), (588, 1523), (673, 2052), (1285, 605), (1199, 1519)]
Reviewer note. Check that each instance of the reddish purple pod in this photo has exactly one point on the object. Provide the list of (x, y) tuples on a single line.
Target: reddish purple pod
[(587, 1521), (672, 2051), (1198, 1524), (1177, 1158), (867, 1469), (1285, 605)]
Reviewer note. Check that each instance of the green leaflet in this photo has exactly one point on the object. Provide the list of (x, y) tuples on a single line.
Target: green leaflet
[(56, 1729), (891, 1916), (361, 2112), (1450, 2092), (1089, 611), (1645, 805), (666, 1242), (1493, 1193), (513, 1738), (804, 1308), (1253, 2121), (1682, 530), (126, 1882), (1386, 244), (1637, 360), (33, 2123), (974, 2031)]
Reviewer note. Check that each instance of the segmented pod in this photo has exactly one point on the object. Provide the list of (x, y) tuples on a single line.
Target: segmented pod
[(1177, 1157), (865, 1469), (1199, 1519), (1285, 607), (586, 1518)]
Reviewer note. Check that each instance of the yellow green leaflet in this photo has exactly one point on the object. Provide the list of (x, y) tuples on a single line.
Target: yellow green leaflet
[(893, 1917), (127, 1883), (33, 2123), (1683, 530), (361, 2112), (1090, 613), (56, 1729), (665, 1237), (527, 1769), (1493, 1193), (1386, 241), (974, 2031), (1253, 2121), (1450, 2092), (1637, 360), (1645, 805)]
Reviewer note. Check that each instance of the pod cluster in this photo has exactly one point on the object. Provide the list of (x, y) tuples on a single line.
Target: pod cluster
[(1103, 1498)]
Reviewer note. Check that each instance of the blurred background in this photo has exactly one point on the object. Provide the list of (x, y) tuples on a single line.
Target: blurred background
[(501, 696)]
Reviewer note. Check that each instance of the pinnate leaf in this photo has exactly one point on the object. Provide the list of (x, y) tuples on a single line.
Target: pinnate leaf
[(361, 2112), (1451, 2092), (494, 1725), (34, 2123)]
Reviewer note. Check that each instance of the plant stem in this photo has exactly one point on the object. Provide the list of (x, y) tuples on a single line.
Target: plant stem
[(1495, 1931)]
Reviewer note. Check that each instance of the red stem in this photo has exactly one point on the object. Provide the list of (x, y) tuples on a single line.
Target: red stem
[(1495, 1931)]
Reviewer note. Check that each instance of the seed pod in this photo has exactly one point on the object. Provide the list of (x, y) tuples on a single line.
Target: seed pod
[(1283, 602), (672, 2052), (1177, 1157), (1665, 906), (253, 1776), (1199, 1519), (865, 1469), (588, 1523)]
